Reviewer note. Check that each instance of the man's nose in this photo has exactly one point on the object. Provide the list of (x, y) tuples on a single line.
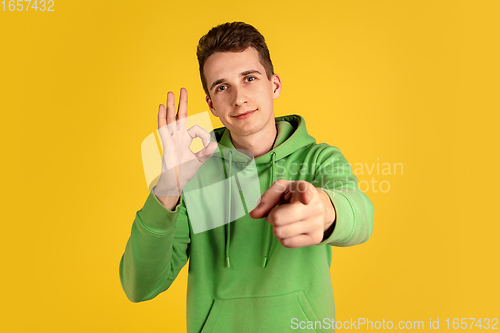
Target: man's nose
[(240, 97)]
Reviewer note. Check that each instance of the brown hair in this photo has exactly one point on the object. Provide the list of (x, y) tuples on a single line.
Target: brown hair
[(232, 37)]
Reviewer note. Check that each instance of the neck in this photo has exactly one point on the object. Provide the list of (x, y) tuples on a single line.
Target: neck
[(258, 143)]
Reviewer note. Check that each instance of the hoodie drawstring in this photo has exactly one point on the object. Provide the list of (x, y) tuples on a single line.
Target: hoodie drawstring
[(269, 228), (228, 223), (268, 239)]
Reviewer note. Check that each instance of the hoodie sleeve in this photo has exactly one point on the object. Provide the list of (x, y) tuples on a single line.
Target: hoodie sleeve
[(156, 250), (354, 210)]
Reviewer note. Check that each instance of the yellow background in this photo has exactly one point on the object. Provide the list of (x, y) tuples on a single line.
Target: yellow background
[(411, 82)]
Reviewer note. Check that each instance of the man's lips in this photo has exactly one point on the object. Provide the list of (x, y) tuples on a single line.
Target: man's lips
[(245, 114)]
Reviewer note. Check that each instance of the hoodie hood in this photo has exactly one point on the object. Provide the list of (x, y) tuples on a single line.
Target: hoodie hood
[(292, 135)]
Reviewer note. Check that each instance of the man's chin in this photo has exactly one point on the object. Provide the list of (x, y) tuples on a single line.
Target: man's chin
[(243, 130)]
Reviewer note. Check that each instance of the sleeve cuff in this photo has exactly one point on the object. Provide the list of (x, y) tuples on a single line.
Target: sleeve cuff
[(344, 219), (155, 217)]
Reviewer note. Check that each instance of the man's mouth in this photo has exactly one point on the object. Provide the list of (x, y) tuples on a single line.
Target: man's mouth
[(245, 115)]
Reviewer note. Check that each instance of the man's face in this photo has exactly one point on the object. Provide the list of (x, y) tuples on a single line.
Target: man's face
[(240, 93)]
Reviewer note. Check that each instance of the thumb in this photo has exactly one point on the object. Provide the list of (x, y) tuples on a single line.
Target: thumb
[(206, 152), (301, 192), (271, 197)]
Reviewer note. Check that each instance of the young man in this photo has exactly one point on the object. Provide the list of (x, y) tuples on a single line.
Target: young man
[(268, 270)]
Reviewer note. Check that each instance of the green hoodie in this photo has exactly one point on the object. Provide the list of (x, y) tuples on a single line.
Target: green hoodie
[(241, 279)]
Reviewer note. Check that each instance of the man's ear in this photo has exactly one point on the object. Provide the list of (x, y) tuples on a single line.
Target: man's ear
[(211, 106), (276, 81)]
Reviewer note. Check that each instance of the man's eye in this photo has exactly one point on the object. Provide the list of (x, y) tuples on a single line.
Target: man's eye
[(250, 78), (220, 88)]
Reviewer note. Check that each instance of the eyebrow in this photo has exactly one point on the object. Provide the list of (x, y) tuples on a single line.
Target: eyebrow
[(251, 71)]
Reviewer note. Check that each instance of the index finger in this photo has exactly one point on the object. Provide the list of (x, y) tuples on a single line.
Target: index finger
[(271, 197), (198, 132)]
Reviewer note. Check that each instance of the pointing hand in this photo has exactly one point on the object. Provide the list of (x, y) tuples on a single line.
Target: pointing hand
[(299, 212)]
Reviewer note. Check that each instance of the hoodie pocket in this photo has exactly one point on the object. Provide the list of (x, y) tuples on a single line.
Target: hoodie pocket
[(259, 314)]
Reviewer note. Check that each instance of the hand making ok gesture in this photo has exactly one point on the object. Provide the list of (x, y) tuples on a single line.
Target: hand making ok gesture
[(179, 164)]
